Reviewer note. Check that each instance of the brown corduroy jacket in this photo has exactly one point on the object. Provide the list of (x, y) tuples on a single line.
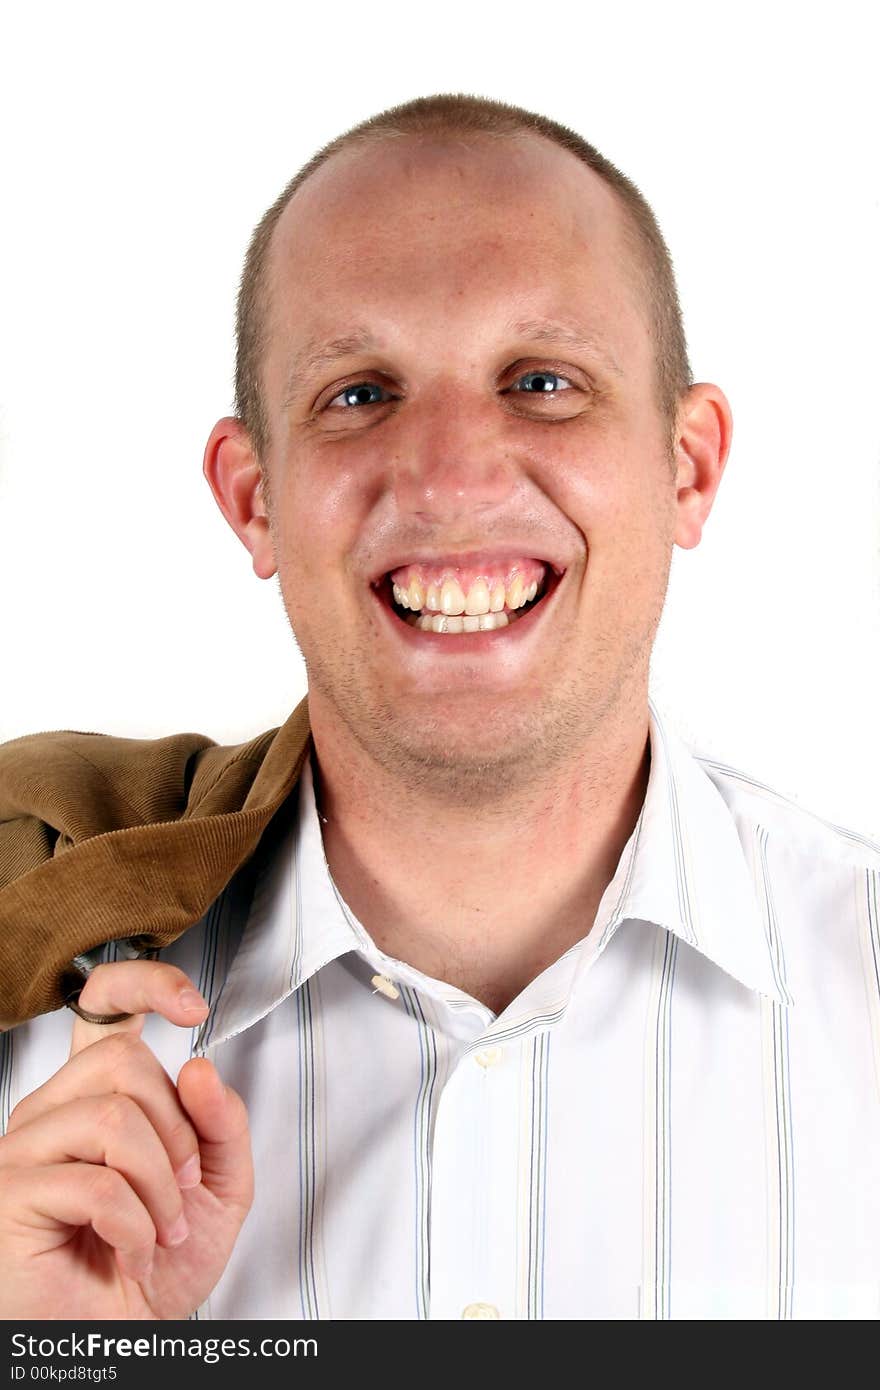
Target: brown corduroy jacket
[(103, 838)]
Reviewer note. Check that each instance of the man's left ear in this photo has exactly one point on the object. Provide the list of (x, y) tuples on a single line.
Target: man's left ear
[(235, 478), (704, 430)]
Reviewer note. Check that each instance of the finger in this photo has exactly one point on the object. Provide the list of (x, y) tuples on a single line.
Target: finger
[(64, 1195), (109, 1130), (121, 1064), (221, 1122), (135, 987)]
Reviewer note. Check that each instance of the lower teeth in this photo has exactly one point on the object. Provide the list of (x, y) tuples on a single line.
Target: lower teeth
[(441, 622), (454, 623)]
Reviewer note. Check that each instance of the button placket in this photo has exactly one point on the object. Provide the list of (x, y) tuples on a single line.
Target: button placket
[(474, 1248)]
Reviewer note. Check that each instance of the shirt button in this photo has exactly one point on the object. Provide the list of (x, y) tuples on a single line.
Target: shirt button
[(481, 1310), (488, 1058), (385, 986)]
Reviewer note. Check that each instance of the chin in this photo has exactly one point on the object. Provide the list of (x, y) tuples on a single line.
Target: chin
[(458, 760), (469, 748), (462, 778)]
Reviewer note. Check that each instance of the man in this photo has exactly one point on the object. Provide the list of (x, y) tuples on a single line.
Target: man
[(520, 1009)]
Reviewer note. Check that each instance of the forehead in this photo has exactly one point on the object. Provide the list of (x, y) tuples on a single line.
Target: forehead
[(404, 227)]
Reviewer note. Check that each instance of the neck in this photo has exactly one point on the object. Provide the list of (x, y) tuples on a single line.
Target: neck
[(484, 902)]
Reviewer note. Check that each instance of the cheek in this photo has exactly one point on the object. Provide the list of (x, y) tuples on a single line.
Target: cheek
[(618, 490), (320, 514), (612, 484)]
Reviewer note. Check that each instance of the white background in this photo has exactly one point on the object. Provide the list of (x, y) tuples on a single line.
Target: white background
[(140, 145)]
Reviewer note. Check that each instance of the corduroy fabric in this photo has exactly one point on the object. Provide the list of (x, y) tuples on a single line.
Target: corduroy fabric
[(103, 838)]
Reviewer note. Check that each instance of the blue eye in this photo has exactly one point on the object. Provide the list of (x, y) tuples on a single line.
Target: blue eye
[(359, 394), (542, 382)]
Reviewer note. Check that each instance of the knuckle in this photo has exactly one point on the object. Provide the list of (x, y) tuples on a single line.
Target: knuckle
[(122, 1052), (116, 1112), (173, 972), (106, 1186), (181, 1138), (18, 1116), (176, 978)]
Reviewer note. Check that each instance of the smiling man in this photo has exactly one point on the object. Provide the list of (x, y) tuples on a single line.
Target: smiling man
[(473, 492), (527, 1011)]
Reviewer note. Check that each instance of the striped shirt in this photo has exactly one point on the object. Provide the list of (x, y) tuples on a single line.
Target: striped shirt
[(679, 1118)]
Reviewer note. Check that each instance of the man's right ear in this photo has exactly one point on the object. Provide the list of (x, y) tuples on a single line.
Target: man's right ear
[(235, 478)]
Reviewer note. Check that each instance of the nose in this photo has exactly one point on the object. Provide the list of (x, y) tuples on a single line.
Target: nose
[(453, 459)]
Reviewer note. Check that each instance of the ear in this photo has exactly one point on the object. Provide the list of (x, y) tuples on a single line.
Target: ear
[(234, 476), (704, 430)]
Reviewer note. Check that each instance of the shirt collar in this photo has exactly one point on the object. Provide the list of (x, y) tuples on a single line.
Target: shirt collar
[(684, 868), (687, 868)]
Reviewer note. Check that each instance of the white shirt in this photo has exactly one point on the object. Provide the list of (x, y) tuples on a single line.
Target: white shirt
[(679, 1118)]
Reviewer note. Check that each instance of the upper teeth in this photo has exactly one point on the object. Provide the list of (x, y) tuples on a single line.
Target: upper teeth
[(449, 598)]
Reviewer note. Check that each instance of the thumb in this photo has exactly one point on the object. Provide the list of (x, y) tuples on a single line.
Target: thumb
[(220, 1120)]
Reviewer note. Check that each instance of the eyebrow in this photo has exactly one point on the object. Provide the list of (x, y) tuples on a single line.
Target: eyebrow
[(569, 335), (318, 354)]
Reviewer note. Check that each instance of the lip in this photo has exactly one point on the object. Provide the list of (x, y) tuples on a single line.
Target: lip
[(450, 645)]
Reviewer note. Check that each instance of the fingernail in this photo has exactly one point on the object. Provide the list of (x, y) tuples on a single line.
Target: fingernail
[(189, 1174), (179, 1231), (191, 999)]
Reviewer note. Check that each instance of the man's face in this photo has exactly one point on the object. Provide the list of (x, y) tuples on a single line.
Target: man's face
[(467, 447)]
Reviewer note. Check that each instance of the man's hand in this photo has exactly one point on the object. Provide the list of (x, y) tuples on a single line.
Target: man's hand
[(121, 1194)]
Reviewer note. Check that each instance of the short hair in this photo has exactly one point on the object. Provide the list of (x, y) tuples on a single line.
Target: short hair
[(461, 114)]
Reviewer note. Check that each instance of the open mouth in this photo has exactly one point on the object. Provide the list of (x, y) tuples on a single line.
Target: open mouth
[(455, 600)]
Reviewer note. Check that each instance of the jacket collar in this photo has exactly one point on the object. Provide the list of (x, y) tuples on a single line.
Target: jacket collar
[(684, 869), (143, 836)]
